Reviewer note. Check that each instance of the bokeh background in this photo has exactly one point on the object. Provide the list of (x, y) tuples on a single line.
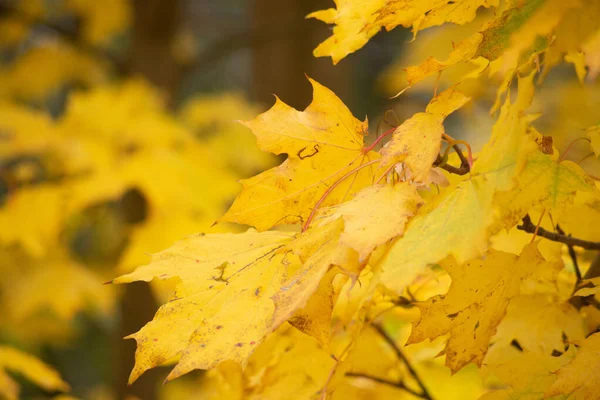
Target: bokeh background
[(118, 137)]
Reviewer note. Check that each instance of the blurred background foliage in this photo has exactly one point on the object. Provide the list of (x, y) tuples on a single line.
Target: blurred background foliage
[(118, 137)]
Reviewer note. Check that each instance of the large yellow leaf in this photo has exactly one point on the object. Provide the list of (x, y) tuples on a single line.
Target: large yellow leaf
[(356, 21), (31, 368), (323, 143), (475, 304), (221, 274), (581, 377)]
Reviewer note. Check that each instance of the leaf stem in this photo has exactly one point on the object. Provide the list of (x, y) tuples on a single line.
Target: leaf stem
[(330, 189), (425, 393), (367, 149), (453, 142), (399, 385), (573, 256)]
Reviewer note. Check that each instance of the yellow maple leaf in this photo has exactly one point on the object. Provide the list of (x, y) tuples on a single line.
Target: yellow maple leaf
[(324, 143), (31, 368), (580, 378), (356, 21), (475, 304), (219, 274)]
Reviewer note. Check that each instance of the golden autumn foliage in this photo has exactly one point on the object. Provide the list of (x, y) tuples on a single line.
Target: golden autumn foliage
[(410, 265)]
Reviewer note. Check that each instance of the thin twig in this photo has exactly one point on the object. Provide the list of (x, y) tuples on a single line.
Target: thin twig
[(398, 385), (530, 227), (330, 189), (462, 170), (425, 393), (573, 256), (460, 154)]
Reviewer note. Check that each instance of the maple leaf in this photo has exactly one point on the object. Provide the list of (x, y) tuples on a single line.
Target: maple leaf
[(580, 377), (357, 20), (323, 144), (202, 322), (219, 275), (473, 308), (31, 368)]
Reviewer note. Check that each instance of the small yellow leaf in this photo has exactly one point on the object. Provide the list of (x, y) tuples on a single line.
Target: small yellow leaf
[(463, 51), (417, 142), (586, 290), (447, 102)]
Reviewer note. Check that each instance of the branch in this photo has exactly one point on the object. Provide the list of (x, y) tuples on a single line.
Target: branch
[(425, 393), (530, 227), (399, 385)]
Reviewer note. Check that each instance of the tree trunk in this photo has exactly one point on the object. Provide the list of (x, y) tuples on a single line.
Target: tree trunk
[(155, 24), (281, 63)]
